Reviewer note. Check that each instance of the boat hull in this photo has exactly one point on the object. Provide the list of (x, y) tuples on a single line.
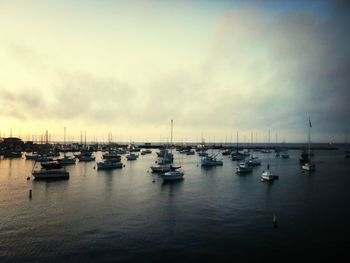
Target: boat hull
[(156, 169), (173, 176), (218, 163), (308, 167), (109, 166), (50, 174), (244, 170), (268, 176)]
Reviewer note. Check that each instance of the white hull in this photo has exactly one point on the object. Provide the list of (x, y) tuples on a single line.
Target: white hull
[(173, 175), (210, 161), (308, 167), (268, 176)]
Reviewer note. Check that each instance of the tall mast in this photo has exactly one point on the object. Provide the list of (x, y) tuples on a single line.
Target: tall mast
[(171, 137), (64, 136), (309, 139), (251, 145)]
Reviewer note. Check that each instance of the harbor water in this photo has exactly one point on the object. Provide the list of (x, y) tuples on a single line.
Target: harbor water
[(130, 215)]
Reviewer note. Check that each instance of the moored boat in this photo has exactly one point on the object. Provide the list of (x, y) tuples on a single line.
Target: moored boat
[(209, 161), (173, 175), (163, 168), (50, 174), (132, 157), (268, 176), (309, 166), (244, 168), (109, 164), (51, 165)]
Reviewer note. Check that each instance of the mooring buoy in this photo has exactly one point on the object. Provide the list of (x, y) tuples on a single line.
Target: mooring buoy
[(274, 220)]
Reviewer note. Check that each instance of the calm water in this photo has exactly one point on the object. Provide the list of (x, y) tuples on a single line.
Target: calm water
[(122, 216)]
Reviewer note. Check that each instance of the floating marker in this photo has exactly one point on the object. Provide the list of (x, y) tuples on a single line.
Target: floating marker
[(274, 220)]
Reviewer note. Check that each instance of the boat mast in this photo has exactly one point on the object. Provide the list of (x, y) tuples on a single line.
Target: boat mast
[(309, 139), (64, 142), (64, 139), (268, 157), (85, 139), (171, 138), (251, 145)]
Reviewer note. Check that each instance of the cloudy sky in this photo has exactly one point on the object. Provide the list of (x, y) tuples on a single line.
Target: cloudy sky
[(214, 67)]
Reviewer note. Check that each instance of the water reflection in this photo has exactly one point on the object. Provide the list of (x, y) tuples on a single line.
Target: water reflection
[(172, 186)]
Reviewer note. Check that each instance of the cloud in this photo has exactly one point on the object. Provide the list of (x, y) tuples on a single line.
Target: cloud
[(258, 70)]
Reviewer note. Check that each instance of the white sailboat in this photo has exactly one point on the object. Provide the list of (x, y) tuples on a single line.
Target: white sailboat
[(237, 155), (244, 168), (66, 160), (268, 175), (309, 166), (209, 161), (174, 173), (253, 161)]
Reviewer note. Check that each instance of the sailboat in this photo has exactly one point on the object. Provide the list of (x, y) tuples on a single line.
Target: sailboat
[(244, 168), (309, 165), (253, 161), (236, 155), (268, 175), (174, 173), (85, 154), (208, 161), (66, 160), (49, 170)]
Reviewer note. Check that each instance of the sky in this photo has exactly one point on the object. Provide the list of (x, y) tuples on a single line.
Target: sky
[(127, 68)]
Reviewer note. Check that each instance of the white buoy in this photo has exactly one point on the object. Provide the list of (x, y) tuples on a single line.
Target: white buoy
[(274, 220)]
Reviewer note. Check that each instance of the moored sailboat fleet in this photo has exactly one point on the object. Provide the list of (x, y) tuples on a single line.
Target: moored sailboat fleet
[(52, 167)]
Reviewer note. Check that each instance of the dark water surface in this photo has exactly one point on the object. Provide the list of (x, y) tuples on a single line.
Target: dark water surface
[(213, 214)]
